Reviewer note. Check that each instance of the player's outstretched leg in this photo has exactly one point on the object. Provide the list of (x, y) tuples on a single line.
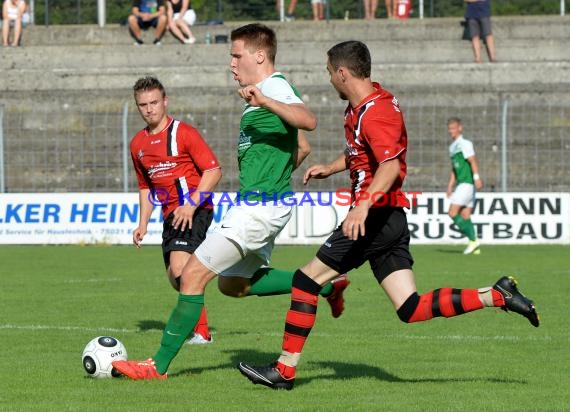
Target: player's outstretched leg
[(515, 301), (449, 302)]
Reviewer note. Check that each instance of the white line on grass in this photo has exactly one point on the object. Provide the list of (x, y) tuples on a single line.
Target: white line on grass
[(80, 328), (395, 337), (96, 280), (471, 338)]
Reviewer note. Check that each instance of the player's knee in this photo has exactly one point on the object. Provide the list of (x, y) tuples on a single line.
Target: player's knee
[(174, 277), (231, 292), (406, 311), (174, 281), (231, 287)]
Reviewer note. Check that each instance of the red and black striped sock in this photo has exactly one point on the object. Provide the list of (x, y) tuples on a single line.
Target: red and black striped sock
[(298, 322), (446, 302)]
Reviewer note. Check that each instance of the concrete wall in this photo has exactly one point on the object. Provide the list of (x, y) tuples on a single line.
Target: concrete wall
[(65, 89)]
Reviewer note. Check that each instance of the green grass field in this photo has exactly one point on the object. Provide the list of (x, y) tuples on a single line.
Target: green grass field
[(53, 300)]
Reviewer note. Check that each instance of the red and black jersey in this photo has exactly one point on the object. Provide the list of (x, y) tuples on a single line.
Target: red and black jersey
[(375, 133), (171, 163)]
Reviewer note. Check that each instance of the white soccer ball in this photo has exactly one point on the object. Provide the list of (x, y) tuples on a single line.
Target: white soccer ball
[(98, 355)]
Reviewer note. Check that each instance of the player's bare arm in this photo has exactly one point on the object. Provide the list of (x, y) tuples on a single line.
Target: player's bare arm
[(297, 115), (384, 178), (475, 169), (450, 184), (145, 210), (324, 171), (303, 149), (183, 214)]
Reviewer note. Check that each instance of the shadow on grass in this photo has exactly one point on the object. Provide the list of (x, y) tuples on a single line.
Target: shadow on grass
[(146, 325), (343, 370), (340, 370), (248, 355), (450, 251)]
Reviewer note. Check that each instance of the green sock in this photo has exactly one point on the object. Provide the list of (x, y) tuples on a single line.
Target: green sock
[(181, 323), (270, 281), (470, 230), (465, 226)]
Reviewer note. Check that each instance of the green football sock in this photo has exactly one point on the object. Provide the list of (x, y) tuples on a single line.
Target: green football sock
[(270, 281), (465, 226), (460, 223), (470, 229), (181, 323)]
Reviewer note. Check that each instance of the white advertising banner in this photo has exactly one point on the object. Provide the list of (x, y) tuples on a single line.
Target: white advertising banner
[(68, 218)]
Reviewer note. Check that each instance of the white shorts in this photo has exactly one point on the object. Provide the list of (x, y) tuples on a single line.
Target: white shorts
[(189, 16), (464, 195), (243, 240)]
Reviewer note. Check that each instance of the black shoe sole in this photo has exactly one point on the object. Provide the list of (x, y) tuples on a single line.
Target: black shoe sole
[(257, 379)]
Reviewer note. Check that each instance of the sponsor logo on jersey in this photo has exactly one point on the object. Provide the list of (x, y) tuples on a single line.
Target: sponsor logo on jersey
[(160, 168)]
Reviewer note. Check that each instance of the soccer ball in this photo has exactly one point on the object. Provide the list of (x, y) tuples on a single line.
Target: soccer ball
[(98, 355)]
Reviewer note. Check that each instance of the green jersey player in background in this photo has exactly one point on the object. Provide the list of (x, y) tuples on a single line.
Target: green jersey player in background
[(239, 247), (463, 181)]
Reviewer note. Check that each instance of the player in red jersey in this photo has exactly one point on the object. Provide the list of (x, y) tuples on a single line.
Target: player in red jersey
[(375, 229), (174, 167)]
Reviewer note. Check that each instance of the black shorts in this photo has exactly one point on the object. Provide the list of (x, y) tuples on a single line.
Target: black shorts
[(187, 240), (146, 24), (385, 245), (480, 27)]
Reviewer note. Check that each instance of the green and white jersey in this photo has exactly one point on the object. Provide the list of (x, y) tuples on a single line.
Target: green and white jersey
[(267, 144), (460, 150)]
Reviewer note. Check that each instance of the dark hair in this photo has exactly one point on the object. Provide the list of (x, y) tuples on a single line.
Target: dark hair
[(352, 54), (453, 120), (257, 36), (148, 83)]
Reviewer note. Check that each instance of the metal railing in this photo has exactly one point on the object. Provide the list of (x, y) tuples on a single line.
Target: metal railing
[(521, 145), (116, 11)]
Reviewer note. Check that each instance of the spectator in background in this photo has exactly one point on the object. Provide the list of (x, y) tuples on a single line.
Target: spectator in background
[(318, 7), (391, 8), (370, 7), (478, 16), (290, 14), (180, 18), (13, 12), (146, 14)]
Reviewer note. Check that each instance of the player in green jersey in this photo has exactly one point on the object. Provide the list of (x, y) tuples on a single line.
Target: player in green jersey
[(239, 247), (463, 181)]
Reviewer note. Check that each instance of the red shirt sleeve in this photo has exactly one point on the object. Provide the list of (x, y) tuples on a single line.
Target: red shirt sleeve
[(202, 155), (383, 130)]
